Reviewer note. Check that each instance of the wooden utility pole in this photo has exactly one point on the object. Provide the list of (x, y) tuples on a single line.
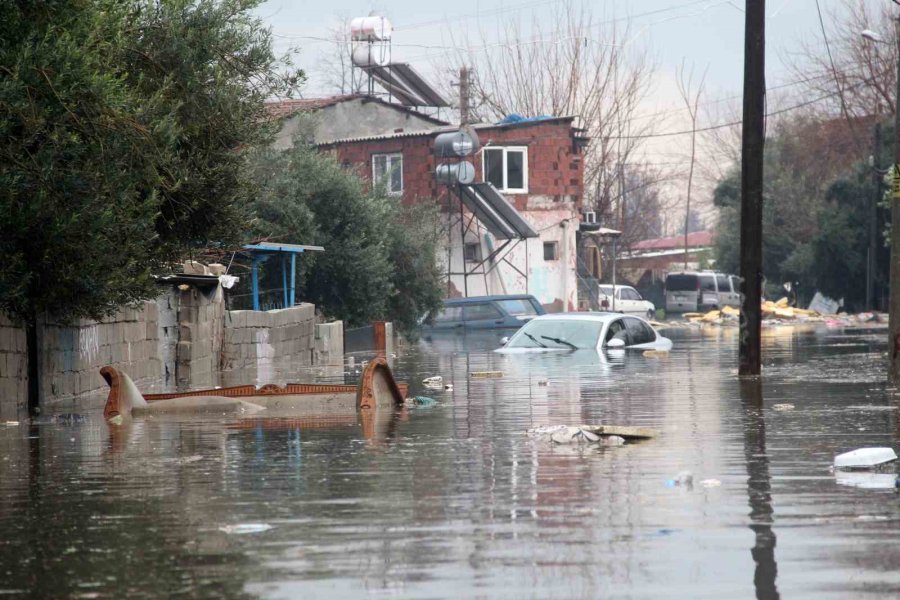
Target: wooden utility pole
[(894, 368), (752, 144)]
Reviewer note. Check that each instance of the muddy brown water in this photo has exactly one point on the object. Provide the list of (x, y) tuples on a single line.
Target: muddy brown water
[(452, 500)]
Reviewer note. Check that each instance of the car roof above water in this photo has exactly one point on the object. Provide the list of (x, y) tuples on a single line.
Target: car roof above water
[(578, 316)]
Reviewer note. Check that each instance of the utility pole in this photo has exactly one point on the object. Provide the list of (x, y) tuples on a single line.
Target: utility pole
[(871, 262), (463, 96), (752, 144), (894, 345)]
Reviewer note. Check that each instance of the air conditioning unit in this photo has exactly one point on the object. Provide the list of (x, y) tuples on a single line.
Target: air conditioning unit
[(589, 216)]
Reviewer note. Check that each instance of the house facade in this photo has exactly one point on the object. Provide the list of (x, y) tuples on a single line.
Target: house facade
[(536, 165)]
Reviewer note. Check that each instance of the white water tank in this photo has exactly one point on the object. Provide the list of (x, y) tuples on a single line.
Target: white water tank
[(368, 55), (456, 143), (370, 29), (451, 174)]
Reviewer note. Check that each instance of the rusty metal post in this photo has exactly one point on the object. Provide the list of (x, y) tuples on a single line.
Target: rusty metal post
[(380, 336)]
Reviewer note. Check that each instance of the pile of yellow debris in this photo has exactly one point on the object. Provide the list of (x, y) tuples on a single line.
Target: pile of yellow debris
[(777, 312)]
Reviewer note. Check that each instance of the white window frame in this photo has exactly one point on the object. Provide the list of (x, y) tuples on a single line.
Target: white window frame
[(389, 158), (506, 150)]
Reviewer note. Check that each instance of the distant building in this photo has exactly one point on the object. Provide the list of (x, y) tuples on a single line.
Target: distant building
[(650, 260), (535, 164)]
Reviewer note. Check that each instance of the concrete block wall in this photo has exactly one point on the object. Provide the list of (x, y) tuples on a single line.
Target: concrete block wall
[(266, 347), (13, 370), (183, 340), (201, 322)]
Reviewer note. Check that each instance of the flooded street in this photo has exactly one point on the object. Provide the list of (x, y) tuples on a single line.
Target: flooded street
[(453, 500)]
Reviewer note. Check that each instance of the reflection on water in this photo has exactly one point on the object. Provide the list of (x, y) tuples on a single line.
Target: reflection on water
[(452, 500)]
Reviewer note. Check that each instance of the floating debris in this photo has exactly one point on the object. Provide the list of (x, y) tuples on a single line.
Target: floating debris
[(783, 407), (486, 374), (448, 387), (543, 382), (573, 435), (436, 380), (11, 423), (682, 478), (656, 353), (245, 528), (864, 458), (710, 483), (421, 401), (612, 440)]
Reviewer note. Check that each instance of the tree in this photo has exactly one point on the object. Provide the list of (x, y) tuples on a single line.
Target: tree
[(380, 257), (122, 125), (691, 99)]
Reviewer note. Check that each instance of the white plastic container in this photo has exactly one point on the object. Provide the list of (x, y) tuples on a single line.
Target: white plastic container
[(370, 29), (864, 458)]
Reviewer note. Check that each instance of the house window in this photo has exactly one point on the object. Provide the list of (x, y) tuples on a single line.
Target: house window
[(551, 250), (506, 168), (472, 252), (387, 170)]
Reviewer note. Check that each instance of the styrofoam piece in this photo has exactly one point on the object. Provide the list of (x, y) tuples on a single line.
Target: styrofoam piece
[(866, 480), (864, 458)]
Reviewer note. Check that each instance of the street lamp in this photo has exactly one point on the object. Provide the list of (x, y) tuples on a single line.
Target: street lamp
[(894, 310)]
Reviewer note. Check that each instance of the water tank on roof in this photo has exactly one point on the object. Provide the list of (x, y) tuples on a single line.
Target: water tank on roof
[(370, 29), (456, 143), (369, 56), (451, 174)]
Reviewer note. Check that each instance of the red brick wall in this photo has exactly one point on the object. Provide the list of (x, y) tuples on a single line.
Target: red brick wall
[(555, 167)]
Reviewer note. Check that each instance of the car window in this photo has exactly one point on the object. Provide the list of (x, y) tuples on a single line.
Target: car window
[(722, 282), (707, 283), (640, 332), (617, 330), (517, 307), (479, 312), (581, 334), (681, 283), (630, 294), (450, 313), (606, 290), (735, 284)]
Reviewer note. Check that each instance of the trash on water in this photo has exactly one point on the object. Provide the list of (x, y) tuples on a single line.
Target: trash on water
[(12, 423), (612, 440), (543, 382), (433, 382), (244, 528), (866, 480), (116, 420), (864, 458), (573, 435), (486, 374), (656, 353), (421, 401), (782, 407), (710, 483), (544, 431), (682, 478), (448, 387)]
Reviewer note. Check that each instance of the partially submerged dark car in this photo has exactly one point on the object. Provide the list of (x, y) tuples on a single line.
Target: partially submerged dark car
[(486, 312)]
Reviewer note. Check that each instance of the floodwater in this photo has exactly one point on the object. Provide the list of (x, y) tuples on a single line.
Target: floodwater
[(453, 500)]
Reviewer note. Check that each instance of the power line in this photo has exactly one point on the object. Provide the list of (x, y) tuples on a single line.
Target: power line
[(721, 125)]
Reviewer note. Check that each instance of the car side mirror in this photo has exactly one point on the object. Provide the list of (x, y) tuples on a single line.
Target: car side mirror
[(504, 340), (615, 343)]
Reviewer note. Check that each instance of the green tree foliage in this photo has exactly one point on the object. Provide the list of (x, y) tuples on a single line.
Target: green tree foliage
[(380, 258), (815, 217), (78, 164), (123, 124)]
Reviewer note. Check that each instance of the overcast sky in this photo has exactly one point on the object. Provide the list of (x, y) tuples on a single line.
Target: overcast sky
[(705, 33)]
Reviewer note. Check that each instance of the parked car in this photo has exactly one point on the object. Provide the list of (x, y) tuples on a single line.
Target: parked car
[(486, 312), (585, 331), (692, 291), (627, 301)]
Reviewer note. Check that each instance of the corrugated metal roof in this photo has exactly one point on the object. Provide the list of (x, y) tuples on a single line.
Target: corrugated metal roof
[(438, 130)]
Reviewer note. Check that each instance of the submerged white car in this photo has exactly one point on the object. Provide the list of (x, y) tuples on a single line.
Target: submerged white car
[(585, 331)]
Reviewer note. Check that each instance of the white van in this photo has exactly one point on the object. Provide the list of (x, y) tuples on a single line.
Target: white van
[(693, 291)]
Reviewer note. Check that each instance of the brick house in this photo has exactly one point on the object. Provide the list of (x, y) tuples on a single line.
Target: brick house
[(535, 164)]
